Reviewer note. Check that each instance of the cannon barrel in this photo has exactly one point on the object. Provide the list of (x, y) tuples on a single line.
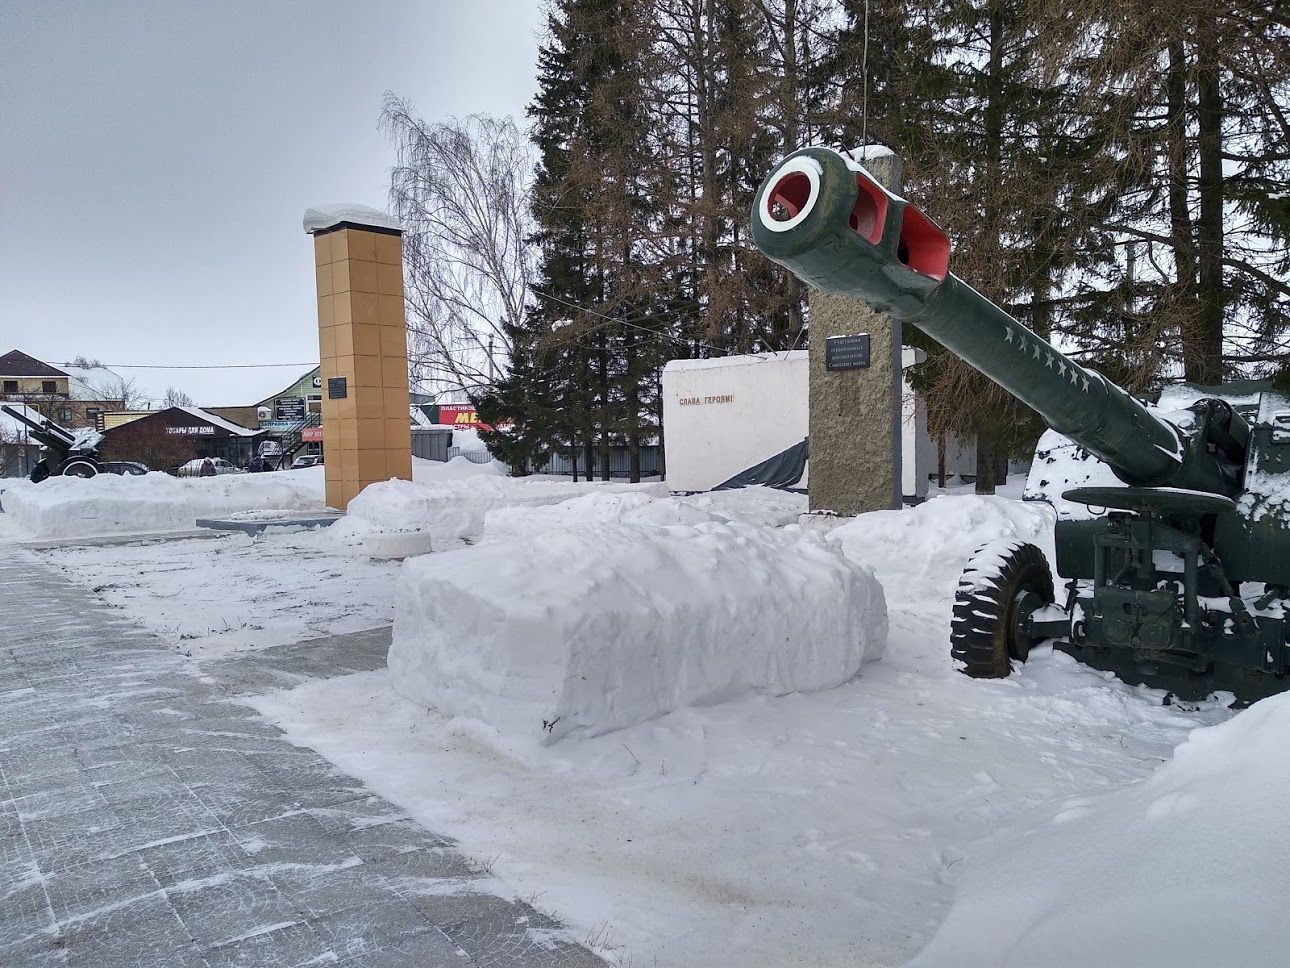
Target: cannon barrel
[(826, 219)]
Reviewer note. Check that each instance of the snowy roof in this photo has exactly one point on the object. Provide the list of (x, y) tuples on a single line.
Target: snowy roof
[(323, 217), (11, 428), (218, 421), (18, 363), (93, 383), (750, 359)]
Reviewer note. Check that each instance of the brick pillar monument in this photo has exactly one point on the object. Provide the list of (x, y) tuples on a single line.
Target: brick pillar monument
[(855, 411), (362, 344)]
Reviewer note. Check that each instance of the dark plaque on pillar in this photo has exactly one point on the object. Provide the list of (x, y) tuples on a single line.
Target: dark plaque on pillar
[(846, 352), (337, 387)]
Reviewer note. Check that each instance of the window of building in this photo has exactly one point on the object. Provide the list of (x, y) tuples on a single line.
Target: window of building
[(48, 386), (92, 415), (10, 386), (64, 414)]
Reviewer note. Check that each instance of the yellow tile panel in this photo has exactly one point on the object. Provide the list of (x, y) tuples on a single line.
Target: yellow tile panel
[(396, 401), (394, 341), (389, 249), (367, 371), (341, 308), (368, 403), (392, 313), (326, 343), (362, 276), (371, 434), (398, 434), (362, 245), (340, 276), (398, 463), (326, 310), (322, 249), (324, 280), (394, 372), (389, 280), (367, 339), (339, 246), (344, 337), (364, 307), (371, 465)]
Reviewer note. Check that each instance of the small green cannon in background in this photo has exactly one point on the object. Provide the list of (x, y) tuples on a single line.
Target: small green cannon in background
[(1181, 577), (72, 453)]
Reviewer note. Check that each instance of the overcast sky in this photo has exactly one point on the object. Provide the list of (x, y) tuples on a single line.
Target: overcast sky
[(156, 159)]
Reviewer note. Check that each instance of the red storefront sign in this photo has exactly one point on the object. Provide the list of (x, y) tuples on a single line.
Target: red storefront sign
[(460, 415), (311, 435)]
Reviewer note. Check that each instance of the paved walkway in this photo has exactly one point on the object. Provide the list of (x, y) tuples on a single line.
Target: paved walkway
[(146, 819)]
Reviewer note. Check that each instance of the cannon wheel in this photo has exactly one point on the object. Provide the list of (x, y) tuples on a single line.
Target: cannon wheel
[(79, 467), (1003, 583)]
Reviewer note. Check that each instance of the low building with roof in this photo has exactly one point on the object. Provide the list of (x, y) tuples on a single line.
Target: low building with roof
[(74, 396), (166, 439)]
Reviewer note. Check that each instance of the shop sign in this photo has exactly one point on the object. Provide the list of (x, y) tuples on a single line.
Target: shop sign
[(191, 431), (311, 435), (289, 408), (460, 415)]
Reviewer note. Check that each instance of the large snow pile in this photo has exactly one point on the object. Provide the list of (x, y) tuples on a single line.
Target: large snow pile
[(67, 507), (632, 507), (919, 553), (1189, 867), (592, 628)]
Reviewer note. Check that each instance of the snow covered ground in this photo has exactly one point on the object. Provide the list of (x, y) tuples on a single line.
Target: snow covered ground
[(825, 828)]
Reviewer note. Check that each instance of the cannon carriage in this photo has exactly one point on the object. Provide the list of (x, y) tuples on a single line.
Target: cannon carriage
[(70, 453), (1181, 576)]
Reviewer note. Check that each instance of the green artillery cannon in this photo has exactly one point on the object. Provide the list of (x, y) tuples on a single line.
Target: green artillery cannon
[(73, 453), (1181, 577)]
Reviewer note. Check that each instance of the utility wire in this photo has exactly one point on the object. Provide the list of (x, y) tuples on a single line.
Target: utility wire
[(187, 366)]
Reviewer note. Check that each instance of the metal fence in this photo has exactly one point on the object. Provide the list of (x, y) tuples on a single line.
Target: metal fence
[(620, 463), (474, 456), (431, 444)]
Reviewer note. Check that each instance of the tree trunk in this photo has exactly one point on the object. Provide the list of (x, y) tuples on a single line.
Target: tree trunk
[(1208, 338), (987, 461)]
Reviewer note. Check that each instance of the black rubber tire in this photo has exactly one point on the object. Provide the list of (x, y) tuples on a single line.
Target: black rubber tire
[(983, 640), (78, 467)]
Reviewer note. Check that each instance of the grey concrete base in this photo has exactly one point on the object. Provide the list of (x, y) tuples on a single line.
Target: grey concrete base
[(108, 540), (260, 525), (148, 818)]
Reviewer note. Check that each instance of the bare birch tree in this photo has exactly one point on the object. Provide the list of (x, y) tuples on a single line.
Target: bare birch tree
[(461, 189)]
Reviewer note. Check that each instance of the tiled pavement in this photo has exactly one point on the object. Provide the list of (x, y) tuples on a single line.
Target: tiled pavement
[(146, 819)]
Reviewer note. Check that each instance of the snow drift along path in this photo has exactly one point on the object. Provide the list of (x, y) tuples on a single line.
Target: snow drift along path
[(589, 628), (1189, 867), (72, 507)]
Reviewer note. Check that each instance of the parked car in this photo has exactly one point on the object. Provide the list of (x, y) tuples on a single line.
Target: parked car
[(126, 468), (194, 467), (306, 460)]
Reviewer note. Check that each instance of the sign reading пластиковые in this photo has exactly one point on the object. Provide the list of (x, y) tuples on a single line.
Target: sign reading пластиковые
[(846, 352)]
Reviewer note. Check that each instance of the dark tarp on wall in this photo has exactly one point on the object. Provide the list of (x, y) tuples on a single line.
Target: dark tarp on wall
[(783, 470)]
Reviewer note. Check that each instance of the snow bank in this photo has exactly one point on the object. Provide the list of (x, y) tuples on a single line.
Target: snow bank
[(634, 507), (452, 509), (919, 553), (67, 507), (1189, 867), (459, 468), (592, 628)]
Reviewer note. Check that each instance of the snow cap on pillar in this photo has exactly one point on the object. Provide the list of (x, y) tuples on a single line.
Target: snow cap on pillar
[(346, 215)]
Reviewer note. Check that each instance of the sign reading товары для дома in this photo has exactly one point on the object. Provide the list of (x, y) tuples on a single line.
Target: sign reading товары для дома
[(847, 352)]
